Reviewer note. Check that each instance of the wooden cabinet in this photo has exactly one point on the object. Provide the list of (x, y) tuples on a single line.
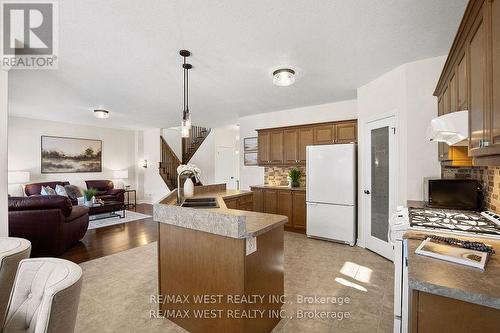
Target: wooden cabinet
[(442, 147), (436, 314), (290, 146), (244, 202), (477, 56), (276, 147), (263, 156), (283, 201), (462, 83), (452, 91), (324, 134), (287, 145), (285, 206), (471, 79), (270, 147), (258, 199), (270, 204), (305, 138), (299, 210), (346, 132)]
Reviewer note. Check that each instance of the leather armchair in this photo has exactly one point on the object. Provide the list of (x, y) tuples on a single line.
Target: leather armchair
[(105, 190), (50, 223)]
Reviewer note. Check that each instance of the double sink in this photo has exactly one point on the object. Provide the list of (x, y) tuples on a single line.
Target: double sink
[(200, 203)]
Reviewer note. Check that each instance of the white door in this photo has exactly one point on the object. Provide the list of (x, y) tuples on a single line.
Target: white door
[(379, 186), (224, 167)]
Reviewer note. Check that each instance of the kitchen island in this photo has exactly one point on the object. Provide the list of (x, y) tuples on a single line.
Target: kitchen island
[(220, 269), (448, 297)]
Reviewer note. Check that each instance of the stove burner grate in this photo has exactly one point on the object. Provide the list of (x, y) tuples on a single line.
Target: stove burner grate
[(452, 220)]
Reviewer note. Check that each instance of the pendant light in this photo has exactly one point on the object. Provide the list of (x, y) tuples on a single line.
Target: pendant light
[(186, 117)]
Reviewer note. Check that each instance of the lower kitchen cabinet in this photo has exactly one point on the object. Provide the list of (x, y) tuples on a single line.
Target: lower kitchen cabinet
[(437, 314), (258, 200), (285, 206), (270, 204), (282, 201), (244, 202), (299, 210)]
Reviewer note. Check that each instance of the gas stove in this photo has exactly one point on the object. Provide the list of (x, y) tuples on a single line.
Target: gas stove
[(455, 220)]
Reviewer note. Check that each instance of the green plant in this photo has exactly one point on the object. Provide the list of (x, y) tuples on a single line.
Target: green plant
[(295, 175), (88, 194)]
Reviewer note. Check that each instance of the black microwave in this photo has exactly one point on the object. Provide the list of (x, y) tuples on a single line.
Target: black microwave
[(463, 194)]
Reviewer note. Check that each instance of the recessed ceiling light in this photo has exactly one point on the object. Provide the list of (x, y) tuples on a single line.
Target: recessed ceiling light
[(101, 114), (283, 77)]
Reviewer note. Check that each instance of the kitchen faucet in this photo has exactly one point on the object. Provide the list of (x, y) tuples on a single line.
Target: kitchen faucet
[(179, 196)]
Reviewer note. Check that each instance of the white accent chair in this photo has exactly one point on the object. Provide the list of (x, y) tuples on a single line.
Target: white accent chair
[(45, 297), (12, 251)]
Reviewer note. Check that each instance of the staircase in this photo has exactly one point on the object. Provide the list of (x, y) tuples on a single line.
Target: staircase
[(191, 144), (168, 164), (169, 160)]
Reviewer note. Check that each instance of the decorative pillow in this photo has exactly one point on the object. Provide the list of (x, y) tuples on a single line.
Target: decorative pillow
[(60, 190), (73, 192), (47, 190)]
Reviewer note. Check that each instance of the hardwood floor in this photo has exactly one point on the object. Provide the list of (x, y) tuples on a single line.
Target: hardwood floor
[(105, 241)]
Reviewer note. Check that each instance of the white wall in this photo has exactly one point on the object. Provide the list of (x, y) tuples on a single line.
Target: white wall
[(406, 93), (118, 150), (153, 186), (254, 175), (422, 161), (174, 140), (4, 222)]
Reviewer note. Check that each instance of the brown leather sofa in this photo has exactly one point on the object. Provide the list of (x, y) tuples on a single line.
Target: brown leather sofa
[(36, 188), (105, 190), (51, 223)]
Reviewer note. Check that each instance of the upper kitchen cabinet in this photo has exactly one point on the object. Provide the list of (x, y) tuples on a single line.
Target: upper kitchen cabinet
[(276, 147), (270, 147), (287, 145), (477, 56), (290, 146), (471, 79), (324, 134), (346, 132), (461, 78), (305, 138), (263, 152)]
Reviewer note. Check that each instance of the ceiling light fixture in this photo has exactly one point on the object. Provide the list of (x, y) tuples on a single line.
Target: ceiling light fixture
[(186, 117), (283, 77), (101, 114)]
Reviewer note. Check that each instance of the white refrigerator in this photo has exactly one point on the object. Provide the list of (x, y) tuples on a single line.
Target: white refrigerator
[(331, 192)]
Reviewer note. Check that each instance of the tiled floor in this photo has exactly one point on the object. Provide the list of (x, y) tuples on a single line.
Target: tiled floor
[(117, 288)]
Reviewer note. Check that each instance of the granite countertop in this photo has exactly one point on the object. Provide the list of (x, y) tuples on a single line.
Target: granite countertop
[(454, 280), (279, 187), (221, 221)]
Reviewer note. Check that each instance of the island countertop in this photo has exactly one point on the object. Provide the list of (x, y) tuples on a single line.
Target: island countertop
[(221, 221), (454, 280)]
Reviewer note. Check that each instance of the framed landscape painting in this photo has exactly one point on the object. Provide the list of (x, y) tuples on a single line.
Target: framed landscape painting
[(70, 155), (250, 149)]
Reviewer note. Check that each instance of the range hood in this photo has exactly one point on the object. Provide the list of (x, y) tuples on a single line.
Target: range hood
[(450, 128)]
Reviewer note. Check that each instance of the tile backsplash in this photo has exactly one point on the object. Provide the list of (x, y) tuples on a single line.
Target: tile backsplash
[(490, 177), (277, 175)]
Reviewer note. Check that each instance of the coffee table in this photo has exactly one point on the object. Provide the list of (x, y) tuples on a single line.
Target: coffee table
[(106, 210)]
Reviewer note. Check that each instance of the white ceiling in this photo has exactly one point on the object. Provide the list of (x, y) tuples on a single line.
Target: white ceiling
[(123, 55)]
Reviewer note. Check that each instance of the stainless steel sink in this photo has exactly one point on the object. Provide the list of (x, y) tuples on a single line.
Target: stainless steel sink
[(201, 203)]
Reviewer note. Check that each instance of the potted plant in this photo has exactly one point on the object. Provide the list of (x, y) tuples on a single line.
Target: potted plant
[(89, 196), (294, 176)]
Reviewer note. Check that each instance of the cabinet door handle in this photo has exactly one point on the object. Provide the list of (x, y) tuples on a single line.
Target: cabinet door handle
[(367, 192)]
